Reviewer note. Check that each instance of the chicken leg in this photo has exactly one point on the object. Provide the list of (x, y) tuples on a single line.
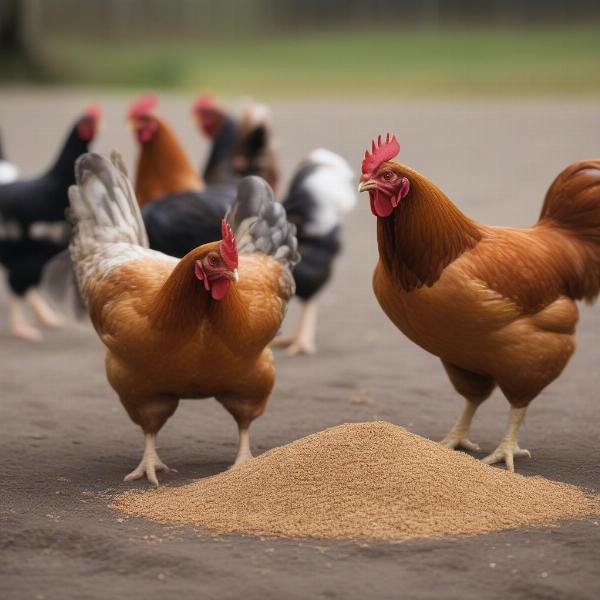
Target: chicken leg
[(509, 448), (19, 327), (244, 453), (303, 339), (150, 462), (458, 436), (474, 388), (42, 311)]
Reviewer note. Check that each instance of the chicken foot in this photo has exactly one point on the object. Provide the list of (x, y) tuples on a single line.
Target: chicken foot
[(150, 462), (457, 437), (509, 449), (303, 339), (19, 327)]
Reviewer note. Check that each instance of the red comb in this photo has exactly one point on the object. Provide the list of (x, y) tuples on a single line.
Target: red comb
[(379, 154), (228, 247), (93, 111), (205, 101), (142, 106)]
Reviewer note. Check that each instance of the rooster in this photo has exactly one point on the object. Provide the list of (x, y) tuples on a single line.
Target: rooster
[(496, 305), (8, 171), (240, 147), (163, 167), (321, 194), (192, 328), (33, 227)]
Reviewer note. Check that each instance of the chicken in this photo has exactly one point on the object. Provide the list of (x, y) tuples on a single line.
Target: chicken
[(240, 147), (177, 221), (163, 167), (321, 193), (33, 227), (193, 328), (495, 304), (8, 171), (179, 212)]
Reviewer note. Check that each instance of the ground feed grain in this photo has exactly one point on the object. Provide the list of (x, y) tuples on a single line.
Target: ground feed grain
[(362, 480)]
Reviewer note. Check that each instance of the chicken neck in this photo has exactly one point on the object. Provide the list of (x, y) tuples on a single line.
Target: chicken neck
[(424, 234), (163, 168)]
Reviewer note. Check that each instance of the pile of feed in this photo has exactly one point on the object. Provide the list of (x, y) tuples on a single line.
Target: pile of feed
[(362, 480)]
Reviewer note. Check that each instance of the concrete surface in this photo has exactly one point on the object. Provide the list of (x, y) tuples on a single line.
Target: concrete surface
[(66, 442)]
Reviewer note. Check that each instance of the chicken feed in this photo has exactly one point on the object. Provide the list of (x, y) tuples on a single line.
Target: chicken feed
[(362, 480)]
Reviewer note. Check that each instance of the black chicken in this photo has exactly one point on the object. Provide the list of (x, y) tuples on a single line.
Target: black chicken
[(33, 227), (239, 147), (320, 194), (180, 222)]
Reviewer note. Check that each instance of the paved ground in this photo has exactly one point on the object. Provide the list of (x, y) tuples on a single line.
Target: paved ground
[(66, 442)]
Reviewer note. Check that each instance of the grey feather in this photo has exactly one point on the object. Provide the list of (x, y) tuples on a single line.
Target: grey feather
[(260, 224)]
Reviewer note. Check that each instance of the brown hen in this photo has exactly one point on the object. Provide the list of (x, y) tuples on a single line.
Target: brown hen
[(495, 304), (174, 329)]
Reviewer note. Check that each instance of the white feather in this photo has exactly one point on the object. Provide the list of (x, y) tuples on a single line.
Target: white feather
[(56, 232), (333, 187), (8, 172), (109, 230)]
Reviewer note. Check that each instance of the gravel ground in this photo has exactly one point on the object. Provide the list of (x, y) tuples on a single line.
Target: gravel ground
[(66, 442)]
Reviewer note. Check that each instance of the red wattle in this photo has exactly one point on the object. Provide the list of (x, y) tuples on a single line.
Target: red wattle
[(219, 287), (381, 205)]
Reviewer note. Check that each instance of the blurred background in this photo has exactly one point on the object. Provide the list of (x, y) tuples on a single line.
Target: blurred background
[(273, 48)]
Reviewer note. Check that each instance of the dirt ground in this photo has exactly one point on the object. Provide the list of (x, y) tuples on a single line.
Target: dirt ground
[(66, 443)]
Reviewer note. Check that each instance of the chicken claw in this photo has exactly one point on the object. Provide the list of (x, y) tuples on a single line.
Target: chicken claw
[(509, 449), (295, 345), (506, 453), (457, 436), (150, 463), (452, 442), (303, 340)]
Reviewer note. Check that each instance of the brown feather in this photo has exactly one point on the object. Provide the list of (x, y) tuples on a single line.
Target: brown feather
[(494, 303), (424, 234), (163, 167)]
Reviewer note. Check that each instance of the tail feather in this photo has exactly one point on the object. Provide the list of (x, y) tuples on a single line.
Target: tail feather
[(260, 224), (104, 201), (572, 204), (108, 227)]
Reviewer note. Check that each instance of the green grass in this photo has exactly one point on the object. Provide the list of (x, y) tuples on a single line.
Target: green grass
[(392, 64)]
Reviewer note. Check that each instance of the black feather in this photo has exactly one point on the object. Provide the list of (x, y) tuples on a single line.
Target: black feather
[(181, 222), (26, 202), (219, 167), (261, 224), (318, 252)]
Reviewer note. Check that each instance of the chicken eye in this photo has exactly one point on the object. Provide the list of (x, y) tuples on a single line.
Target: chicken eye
[(387, 175), (213, 261)]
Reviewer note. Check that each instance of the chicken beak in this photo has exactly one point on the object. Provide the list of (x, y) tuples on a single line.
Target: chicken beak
[(365, 186), (235, 276), (130, 125)]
